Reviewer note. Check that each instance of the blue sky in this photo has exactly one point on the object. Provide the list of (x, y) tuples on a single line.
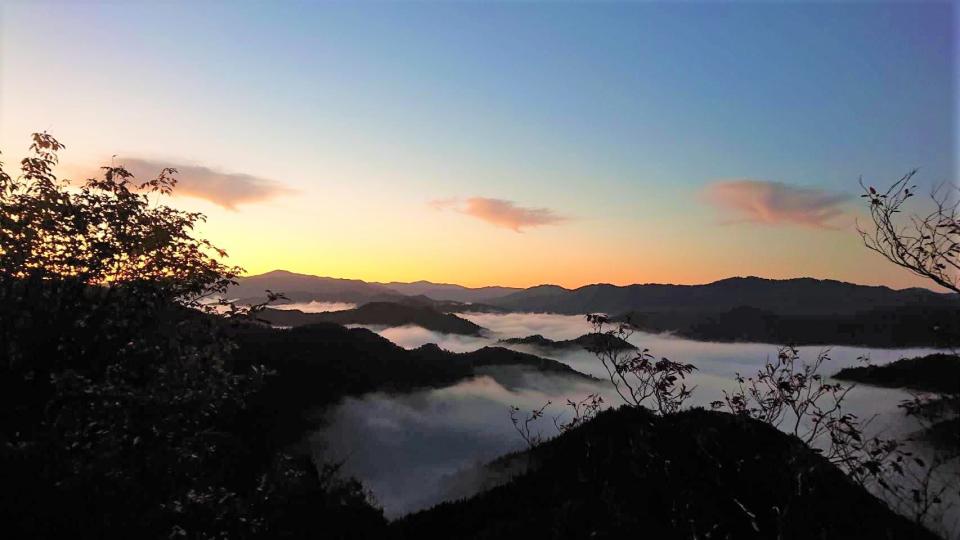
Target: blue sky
[(613, 116)]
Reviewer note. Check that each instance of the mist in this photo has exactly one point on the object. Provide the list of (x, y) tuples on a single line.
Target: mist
[(549, 325), (415, 450), (418, 449), (498, 326), (412, 336), (315, 306)]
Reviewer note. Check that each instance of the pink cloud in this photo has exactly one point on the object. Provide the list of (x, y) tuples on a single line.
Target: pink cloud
[(776, 203), (225, 189), (500, 212)]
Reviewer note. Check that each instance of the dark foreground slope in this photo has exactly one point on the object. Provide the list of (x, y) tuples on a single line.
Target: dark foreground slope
[(378, 313), (696, 474)]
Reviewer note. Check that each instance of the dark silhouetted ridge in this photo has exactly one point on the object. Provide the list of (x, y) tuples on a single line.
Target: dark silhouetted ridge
[(378, 313), (806, 296), (931, 373), (450, 292), (695, 474), (306, 288), (915, 325), (586, 341)]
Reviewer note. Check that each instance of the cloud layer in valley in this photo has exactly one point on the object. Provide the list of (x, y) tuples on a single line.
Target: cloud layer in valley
[(550, 325), (316, 306), (776, 203), (499, 326), (225, 189), (500, 212), (417, 449)]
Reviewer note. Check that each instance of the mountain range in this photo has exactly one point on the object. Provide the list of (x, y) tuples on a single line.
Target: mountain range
[(306, 288), (694, 474), (788, 297), (806, 296), (450, 292)]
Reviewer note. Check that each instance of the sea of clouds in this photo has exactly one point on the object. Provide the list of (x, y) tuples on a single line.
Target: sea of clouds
[(316, 306), (416, 449)]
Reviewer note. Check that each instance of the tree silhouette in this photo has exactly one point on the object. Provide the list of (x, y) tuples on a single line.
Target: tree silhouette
[(926, 244), (639, 378), (119, 398)]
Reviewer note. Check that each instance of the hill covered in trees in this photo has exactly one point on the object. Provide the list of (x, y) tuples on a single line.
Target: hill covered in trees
[(693, 474), (902, 326), (931, 373), (937, 379), (586, 341), (378, 313)]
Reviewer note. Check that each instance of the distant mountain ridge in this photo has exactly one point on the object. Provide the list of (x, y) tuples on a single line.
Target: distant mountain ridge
[(897, 327), (449, 291), (798, 296), (306, 288)]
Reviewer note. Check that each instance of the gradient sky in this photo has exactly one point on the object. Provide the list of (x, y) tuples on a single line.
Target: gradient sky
[(506, 143)]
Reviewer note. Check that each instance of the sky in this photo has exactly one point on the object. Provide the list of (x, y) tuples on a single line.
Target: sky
[(511, 143)]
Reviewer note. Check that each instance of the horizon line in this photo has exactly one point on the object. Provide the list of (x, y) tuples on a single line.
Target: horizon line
[(520, 288)]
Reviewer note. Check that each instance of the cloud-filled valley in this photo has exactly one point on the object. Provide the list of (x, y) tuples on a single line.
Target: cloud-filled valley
[(414, 450), (315, 306)]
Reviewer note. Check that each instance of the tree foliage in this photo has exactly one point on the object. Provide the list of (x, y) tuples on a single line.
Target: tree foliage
[(638, 377), (926, 244), (795, 397), (118, 393)]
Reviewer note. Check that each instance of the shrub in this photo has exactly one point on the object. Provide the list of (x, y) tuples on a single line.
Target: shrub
[(638, 377)]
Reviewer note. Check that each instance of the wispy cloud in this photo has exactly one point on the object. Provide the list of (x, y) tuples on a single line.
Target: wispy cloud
[(444, 204), (500, 212), (776, 203), (225, 189)]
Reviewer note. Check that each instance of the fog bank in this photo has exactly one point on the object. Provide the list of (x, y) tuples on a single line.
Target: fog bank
[(315, 306), (408, 449)]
